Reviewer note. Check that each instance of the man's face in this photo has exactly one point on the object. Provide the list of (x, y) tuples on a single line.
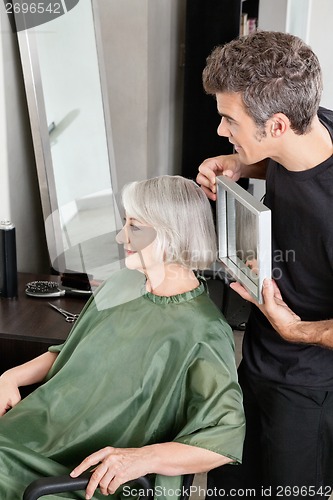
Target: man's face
[(241, 130)]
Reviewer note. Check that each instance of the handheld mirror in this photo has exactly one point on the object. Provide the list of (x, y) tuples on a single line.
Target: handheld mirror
[(244, 236)]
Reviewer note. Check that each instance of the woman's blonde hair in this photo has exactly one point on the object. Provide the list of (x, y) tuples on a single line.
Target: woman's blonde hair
[(181, 214)]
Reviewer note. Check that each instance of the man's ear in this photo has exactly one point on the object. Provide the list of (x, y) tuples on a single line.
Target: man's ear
[(278, 125)]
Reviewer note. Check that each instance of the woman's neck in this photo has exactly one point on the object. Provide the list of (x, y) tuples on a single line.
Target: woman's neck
[(170, 279)]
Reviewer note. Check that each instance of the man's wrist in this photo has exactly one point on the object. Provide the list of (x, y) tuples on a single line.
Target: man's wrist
[(312, 332)]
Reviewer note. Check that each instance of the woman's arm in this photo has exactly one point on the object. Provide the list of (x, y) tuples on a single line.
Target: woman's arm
[(116, 466), (29, 373), (173, 459)]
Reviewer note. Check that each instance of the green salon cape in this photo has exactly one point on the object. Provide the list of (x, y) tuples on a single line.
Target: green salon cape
[(136, 369)]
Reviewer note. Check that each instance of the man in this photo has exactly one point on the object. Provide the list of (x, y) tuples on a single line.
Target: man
[(268, 87)]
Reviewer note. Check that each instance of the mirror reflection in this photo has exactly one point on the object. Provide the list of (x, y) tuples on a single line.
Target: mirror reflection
[(242, 237), (82, 211)]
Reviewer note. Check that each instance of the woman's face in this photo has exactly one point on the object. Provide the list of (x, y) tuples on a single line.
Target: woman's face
[(139, 244)]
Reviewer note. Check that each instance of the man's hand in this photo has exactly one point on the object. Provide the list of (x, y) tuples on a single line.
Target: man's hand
[(281, 317), (285, 322), (228, 165)]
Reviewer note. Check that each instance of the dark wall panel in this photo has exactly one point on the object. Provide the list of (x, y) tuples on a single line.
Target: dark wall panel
[(208, 23)]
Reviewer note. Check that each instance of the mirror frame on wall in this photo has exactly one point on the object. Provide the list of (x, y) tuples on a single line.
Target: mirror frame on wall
[(40, 131)]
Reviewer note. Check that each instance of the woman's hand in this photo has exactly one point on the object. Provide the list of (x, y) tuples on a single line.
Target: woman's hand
[(32, 372), (115, 466), (9, 394), (228, 165)]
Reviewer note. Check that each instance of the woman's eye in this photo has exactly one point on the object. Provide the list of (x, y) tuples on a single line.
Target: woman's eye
[(135, 228)]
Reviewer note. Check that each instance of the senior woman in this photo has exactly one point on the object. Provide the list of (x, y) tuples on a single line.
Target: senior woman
[(146, 381)]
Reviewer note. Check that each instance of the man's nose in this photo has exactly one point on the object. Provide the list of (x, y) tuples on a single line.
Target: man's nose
[(122, 236), (222, 129)]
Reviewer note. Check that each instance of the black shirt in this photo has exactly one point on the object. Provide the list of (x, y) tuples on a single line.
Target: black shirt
[(302, 246)]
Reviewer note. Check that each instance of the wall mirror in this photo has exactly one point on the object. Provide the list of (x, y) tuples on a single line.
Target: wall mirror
[(71, 129), (244, 236)]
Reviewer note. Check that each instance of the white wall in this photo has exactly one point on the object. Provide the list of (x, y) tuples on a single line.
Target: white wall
[(125, 47), (166, 22), (141, 41), (272, 15), (321, 41)]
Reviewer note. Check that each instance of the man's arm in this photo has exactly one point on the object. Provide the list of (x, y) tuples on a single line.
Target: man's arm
[(285, 322), (255, 171), (313, 332)]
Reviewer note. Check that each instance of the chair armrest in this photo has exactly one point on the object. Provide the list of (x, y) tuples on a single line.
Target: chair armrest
[(187, 483), (60, 484)]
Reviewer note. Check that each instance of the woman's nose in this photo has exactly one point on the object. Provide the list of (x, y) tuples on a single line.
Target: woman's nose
[(122, 236)]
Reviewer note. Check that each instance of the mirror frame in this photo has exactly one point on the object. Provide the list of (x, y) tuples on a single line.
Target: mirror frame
[(40, 132), (228, 191)]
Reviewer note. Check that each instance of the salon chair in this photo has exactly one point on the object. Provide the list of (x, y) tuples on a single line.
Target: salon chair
[(61, 484), (235, 309)]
